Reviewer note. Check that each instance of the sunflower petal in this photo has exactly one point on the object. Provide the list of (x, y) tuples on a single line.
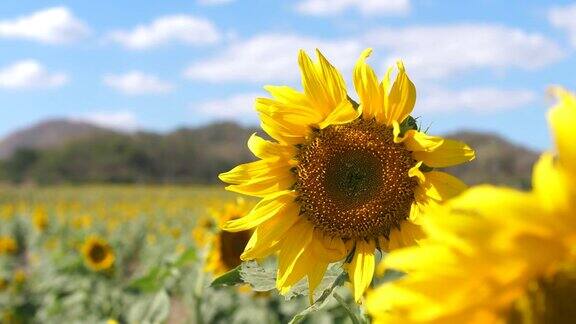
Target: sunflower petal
[(294, 245), (562, 118), (401, 98), (281, 130), (264, 149), (327, 248), (408, 235), (366, 84), (290, 115), (442, 186), (361, 270), (287, 95), (258, 169), (267, 236), (447, 154), (342, 114), (273, 205)]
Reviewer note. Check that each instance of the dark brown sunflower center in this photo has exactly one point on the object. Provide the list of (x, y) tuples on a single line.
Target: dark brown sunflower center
[(548, 300), (231, 247), (97, 253), (353, 180)]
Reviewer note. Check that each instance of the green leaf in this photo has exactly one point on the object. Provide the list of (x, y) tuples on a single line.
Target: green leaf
[(188, 256), (260, 278), (150, 282), (230, 278), (321, 301), (151, 310), (301, 288)]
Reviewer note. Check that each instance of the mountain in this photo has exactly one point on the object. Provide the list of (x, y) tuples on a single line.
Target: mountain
[(49, 134), (498, 161), (63, 151)]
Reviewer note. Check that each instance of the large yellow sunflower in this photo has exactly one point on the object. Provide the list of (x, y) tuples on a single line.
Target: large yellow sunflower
[(340, 180), (495, 255), (226, 247), (98, 254)]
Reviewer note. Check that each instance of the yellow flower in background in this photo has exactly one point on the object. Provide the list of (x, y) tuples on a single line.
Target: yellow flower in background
[(8, 245), (40, 218), (98, 254), (495, 255), (340, 182), (226, 247)]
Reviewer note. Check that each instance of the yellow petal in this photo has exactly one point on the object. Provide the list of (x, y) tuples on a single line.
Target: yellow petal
[(314, 85), (287, 95), (269, 234), (273, 205), (327, 248), (342, 114), (282, 131), (562, 118), (442, 186), (408, 235), (263, 186), (366, 84), (417, 141), (294, 245), (401, 98), (361, 269), (258, 169), (415, 172), (447, 154), (264, 149), (291, 116), (316, 273)]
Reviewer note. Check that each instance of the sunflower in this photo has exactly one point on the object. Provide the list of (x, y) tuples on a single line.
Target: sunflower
[(495, 255), (98, 254), (40, 219), (340, 180), (8, 245), (226, 247)]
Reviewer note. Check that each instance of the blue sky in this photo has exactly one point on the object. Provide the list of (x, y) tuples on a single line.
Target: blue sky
[(483, 64)]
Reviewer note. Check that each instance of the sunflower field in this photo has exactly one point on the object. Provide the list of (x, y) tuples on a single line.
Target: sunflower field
[(346, 216)]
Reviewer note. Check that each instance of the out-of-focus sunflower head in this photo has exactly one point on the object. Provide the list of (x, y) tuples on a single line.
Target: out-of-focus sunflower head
[(8, 245), (226, 247), (495, 255), (40, 218), (97, 253), (340, 180)]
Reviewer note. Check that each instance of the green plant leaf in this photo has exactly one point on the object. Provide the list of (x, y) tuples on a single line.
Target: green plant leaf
[(230, 278), (259, 277), (351, 314)]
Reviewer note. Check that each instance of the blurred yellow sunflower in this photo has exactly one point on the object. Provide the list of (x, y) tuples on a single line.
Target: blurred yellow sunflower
[(226, 247), (8, 245), (98, 254), (40, 219), (340, 180), (495, 255)]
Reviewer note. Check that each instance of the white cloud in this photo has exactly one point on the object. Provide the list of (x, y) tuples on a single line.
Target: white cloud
[(53, 26), (478, 99), (168, 29), (137, 83), (240, 106), (270, 57), (365, 7), (565, 18), (441, 51), (213, 2), (120, 120), (30, 74)]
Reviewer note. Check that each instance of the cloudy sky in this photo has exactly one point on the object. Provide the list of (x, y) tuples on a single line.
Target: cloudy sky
[(481, 64)]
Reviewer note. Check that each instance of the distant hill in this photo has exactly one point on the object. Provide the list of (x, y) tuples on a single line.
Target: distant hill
[(498, 161), (68, 151), (48, 134)]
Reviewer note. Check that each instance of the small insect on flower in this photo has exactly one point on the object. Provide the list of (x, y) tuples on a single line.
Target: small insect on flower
[(8, 245), (341, 179), (97, 253), (495, 255)]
